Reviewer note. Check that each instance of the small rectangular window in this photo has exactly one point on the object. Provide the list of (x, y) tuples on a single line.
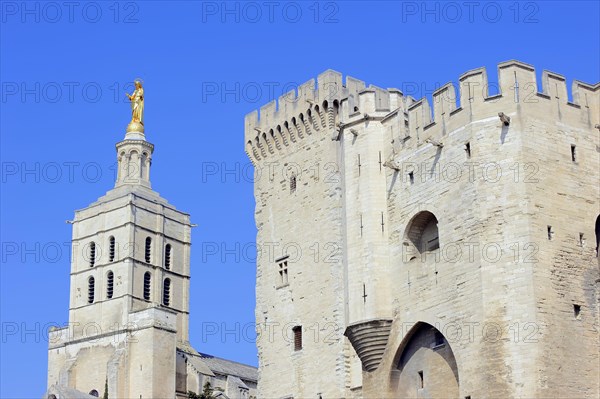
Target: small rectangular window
[(411, 177), (282, 265), (550, 232), (573, 153), (421, 381), (297, 338), (577, 311)]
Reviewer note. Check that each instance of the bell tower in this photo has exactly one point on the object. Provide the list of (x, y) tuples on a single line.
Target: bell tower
[(130, 277)]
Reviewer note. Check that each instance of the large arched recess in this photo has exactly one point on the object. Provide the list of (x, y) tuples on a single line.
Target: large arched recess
[(425, 366)]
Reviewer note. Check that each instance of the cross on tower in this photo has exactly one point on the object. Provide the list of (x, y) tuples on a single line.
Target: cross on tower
[(516, 87), (361, 225)]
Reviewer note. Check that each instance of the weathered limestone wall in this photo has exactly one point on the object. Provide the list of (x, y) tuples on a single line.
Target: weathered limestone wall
[(314, 294), (127, 339), (130, 219), (566, 197), (497, 290), (126, 357)]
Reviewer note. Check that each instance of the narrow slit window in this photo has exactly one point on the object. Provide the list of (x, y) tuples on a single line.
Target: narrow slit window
[(581, 240), (148, 249), (573, 153), (421, 381), (411, 177), (168, 257), (91, 287), (550, 232), (111, 249), (92, 254), (577, 311), (297, 338), (147, 281), (293, 183), (110, 277), (167, 292), (468, 150)]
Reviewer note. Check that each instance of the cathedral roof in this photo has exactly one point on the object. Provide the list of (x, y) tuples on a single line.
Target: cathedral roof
[(63, 392), (229, 367)]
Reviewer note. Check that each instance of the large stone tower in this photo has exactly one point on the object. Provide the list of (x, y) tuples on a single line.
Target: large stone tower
[(418, 251), (129, 306), (129, 301)]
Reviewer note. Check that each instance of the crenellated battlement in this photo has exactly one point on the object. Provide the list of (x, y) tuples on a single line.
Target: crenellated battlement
[(517, 90), (313, 109), (329, 104)]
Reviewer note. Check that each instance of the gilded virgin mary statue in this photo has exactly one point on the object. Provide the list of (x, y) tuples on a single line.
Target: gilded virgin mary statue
[(137, 108)]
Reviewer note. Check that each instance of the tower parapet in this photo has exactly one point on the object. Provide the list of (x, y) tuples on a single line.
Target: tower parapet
[(295, 115), (517, 88), (312, 109)]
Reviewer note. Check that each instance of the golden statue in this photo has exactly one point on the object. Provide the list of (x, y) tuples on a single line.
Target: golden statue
[(137, 108)]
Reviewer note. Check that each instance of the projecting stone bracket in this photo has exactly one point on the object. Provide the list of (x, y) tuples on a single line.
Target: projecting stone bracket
[(369, 339)]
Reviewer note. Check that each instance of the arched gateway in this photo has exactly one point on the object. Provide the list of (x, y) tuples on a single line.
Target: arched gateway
[(424, 366)]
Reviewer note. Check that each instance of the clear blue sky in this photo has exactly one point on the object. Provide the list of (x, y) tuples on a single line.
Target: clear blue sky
[(63, 73)]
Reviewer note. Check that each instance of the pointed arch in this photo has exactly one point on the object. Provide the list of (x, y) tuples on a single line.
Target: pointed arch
[(250, 149), (274, 137), (421, 234), (269, 146), (297, 125), (260, 146), (321, 116), (283, 134), (425, 361), (305, 124), (312, 120), (290, 132)]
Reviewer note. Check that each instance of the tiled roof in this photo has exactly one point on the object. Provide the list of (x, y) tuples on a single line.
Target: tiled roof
[(62, 392), (229, 367)]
